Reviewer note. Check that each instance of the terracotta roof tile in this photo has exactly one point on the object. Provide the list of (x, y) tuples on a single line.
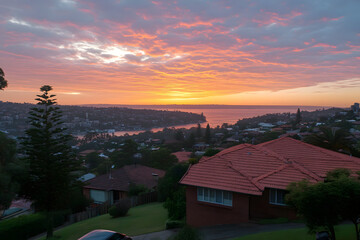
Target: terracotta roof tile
[(247, 168), (122, 177)]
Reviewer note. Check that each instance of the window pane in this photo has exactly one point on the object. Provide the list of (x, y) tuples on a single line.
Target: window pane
[(200, 194), (273, 195), (206, 194), (227, 198), (219, 198), (212, 195), (280, 197)]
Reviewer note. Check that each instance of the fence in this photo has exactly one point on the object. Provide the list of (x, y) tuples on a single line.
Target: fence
[(98, 210)]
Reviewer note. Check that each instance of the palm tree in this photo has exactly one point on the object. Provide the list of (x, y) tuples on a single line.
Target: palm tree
[(336, 139)]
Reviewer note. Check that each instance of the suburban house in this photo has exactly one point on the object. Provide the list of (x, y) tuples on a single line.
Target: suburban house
[(248, 182), (114, 186), (182, 156)]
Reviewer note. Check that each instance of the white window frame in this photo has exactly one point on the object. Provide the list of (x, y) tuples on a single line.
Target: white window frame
[(276, 193), (215, 196)]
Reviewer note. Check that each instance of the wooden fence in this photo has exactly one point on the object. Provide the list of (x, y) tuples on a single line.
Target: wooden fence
[(98, 210)]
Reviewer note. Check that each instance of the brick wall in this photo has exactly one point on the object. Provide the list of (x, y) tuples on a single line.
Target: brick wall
[(207, 214), (260, 208)]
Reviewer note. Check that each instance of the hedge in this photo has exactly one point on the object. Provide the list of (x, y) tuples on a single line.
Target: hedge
[(26, 226)]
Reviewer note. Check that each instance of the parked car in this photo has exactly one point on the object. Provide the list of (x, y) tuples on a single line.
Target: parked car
[(104, 235)]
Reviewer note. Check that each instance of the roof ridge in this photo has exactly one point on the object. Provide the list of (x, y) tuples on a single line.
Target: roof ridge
[(271, 152), (306, 171), (268, 142), (221, 153), (270, 173), (250, 179), (186, 173), (329, 152)]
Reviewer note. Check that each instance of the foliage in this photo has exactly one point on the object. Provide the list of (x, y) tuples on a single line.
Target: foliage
[(51, 160), (193, 160), (190, 141), (176, 204), (78, 202), (160, 159), (211, 152), (171, 224), (198, 131), (331, 138), (120, 208), (135, 190), (317, 203), (337, 174), (187, 233), (179, 135), (298, 117), (325, 204), (169, 183), (7, 171), (92, 160), (140, 220), (3, 81), (26, 226), (207, 134)]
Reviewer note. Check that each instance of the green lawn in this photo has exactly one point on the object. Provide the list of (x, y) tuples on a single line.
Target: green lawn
[(343, 232), (142, 219)]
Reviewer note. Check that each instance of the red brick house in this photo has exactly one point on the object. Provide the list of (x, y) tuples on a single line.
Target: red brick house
[(115, 185), (247, 181)]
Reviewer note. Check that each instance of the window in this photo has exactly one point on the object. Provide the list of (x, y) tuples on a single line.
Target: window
[(214, 196), (98, 196), (277, 196)]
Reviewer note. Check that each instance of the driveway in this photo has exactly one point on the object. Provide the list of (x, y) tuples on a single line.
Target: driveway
[(223, 231)]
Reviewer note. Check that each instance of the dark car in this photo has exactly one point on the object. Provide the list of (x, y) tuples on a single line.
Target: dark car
[(104, 235)]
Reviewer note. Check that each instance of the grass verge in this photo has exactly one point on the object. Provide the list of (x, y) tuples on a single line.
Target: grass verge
[(343, 232), (140, 220)]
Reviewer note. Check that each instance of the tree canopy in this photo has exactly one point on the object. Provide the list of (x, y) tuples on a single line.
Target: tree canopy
[(326, 204), (7, 167), (50, 157), (3, 81)]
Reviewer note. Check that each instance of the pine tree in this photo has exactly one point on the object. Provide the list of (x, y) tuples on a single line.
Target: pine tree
[(207, 134), (7, 164), (298, 116), (51, 162), (198, 131), (3, 82)]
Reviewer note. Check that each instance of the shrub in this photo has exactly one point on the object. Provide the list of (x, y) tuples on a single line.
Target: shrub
[(176, 205), (120, 209), (170, 224), (26, 226), (135, 190), (187, 233)]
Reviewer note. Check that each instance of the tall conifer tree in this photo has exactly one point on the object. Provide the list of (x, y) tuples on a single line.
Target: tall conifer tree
[(50, 157), (3, 82)]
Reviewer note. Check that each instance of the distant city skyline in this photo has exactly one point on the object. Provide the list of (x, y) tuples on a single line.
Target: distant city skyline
[(182, 52)]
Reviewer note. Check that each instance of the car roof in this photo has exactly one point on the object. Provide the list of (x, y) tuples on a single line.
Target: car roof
[(98, 235)]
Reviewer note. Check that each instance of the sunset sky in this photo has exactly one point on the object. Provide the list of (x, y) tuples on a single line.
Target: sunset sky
[(182, 52)]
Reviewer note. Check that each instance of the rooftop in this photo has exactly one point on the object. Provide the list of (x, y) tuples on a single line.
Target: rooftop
[(250, 169)]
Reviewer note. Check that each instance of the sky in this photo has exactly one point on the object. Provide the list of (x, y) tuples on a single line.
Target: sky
[(234, 52)]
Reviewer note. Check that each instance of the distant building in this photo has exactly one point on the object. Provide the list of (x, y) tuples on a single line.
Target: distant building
[(182, 156), (355, 107), (115, 185)]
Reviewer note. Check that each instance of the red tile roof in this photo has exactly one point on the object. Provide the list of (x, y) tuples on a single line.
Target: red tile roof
[(122, 177), (249, 169), (182, 156)]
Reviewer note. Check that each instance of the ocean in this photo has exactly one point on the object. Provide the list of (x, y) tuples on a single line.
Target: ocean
[(216, 115)]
